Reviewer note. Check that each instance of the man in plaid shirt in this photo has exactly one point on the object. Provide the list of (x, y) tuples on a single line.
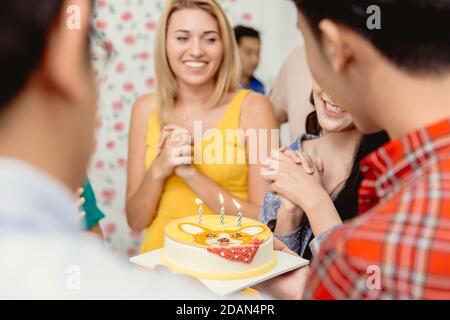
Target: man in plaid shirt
[(391, 74)]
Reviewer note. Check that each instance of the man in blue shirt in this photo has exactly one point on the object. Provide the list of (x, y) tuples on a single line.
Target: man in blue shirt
[(249, 43)]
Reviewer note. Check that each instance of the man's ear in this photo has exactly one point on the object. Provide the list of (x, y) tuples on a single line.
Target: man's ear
[(192, 228), (335, 45), (66, 56)]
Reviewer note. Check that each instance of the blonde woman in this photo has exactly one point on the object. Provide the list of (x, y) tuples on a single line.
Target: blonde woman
[(197, 70)]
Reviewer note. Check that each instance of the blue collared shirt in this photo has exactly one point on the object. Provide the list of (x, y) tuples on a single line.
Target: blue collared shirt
[(256, 85)]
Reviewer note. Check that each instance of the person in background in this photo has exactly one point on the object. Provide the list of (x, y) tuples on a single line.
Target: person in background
[(47, 121), (249, 43), (89, 211), (290, 93)]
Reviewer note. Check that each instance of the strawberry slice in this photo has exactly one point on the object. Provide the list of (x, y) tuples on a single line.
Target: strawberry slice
[(244, 254)]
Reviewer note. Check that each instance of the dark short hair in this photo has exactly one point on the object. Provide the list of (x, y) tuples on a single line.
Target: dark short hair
[(413, 34), (24, 26), (242, 31), (24, 29)]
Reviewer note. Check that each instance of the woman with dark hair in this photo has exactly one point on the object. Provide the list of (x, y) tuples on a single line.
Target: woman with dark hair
[(330, 196)]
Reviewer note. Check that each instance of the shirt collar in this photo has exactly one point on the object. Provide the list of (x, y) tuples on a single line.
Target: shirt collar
[(399, 162), (32, 200)]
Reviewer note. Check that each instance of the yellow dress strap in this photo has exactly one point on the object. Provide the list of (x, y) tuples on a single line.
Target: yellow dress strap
[(152, 138), (232, 118), (154, 127)]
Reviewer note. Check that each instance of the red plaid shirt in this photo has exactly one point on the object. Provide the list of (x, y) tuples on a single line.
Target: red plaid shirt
[(400, 247)]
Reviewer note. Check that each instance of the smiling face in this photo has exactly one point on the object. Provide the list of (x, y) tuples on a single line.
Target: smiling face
[(333, 65), (331, 117), (194, 46)]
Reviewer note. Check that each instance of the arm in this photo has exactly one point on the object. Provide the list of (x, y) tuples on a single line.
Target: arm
[(312, 198), (289, 286), (257, 113), (288, 228), (325, 219), (289, 219), (321, 212), (277, 97), (143, 187)]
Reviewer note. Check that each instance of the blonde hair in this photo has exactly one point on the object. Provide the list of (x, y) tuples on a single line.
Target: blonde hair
[(227, 77)]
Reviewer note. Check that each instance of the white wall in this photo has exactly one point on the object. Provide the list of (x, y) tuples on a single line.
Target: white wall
[(277, 22), (280, 36)]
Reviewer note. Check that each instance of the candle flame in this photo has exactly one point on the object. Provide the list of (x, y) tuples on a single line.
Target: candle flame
[(236, 204), (221, 199), (198, 201)]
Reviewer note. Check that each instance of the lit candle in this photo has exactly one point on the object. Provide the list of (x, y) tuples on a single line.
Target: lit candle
[(222, 209), (238, 206), (200, 210)]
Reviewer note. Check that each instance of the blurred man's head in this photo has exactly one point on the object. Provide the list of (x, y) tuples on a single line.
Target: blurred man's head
[(47, 90), (249, 43), (355, 47)]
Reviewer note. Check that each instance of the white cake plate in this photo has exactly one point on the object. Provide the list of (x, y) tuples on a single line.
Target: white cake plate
[(227, 288)]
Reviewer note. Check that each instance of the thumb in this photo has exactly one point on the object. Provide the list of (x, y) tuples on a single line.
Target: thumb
[(280, 246)]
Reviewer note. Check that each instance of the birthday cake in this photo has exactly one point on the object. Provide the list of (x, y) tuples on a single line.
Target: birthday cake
[(225, 250)]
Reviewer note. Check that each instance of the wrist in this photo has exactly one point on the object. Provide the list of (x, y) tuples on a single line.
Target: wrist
[(288, 222), (186, 171), (313, 204), (156, 174), (290, 210)]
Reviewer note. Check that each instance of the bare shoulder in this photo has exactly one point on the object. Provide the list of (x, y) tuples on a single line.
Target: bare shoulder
[(256, 103), (143, 106), (140, 115), (257, 109)]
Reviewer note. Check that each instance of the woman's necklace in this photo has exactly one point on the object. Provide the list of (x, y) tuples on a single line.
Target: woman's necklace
[(182, 114)]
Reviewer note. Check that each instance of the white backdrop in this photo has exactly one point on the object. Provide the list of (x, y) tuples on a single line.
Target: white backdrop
[(129, 26)]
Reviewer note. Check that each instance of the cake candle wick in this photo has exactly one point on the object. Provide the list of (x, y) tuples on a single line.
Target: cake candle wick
[(200, 210), (222, 209), (239, 207)]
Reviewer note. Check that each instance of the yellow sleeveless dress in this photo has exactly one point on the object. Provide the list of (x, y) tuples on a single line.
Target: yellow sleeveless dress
[(224, 161)]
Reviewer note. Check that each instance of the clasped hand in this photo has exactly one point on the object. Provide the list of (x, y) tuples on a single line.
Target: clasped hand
[(294, 176), (175, 152)]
